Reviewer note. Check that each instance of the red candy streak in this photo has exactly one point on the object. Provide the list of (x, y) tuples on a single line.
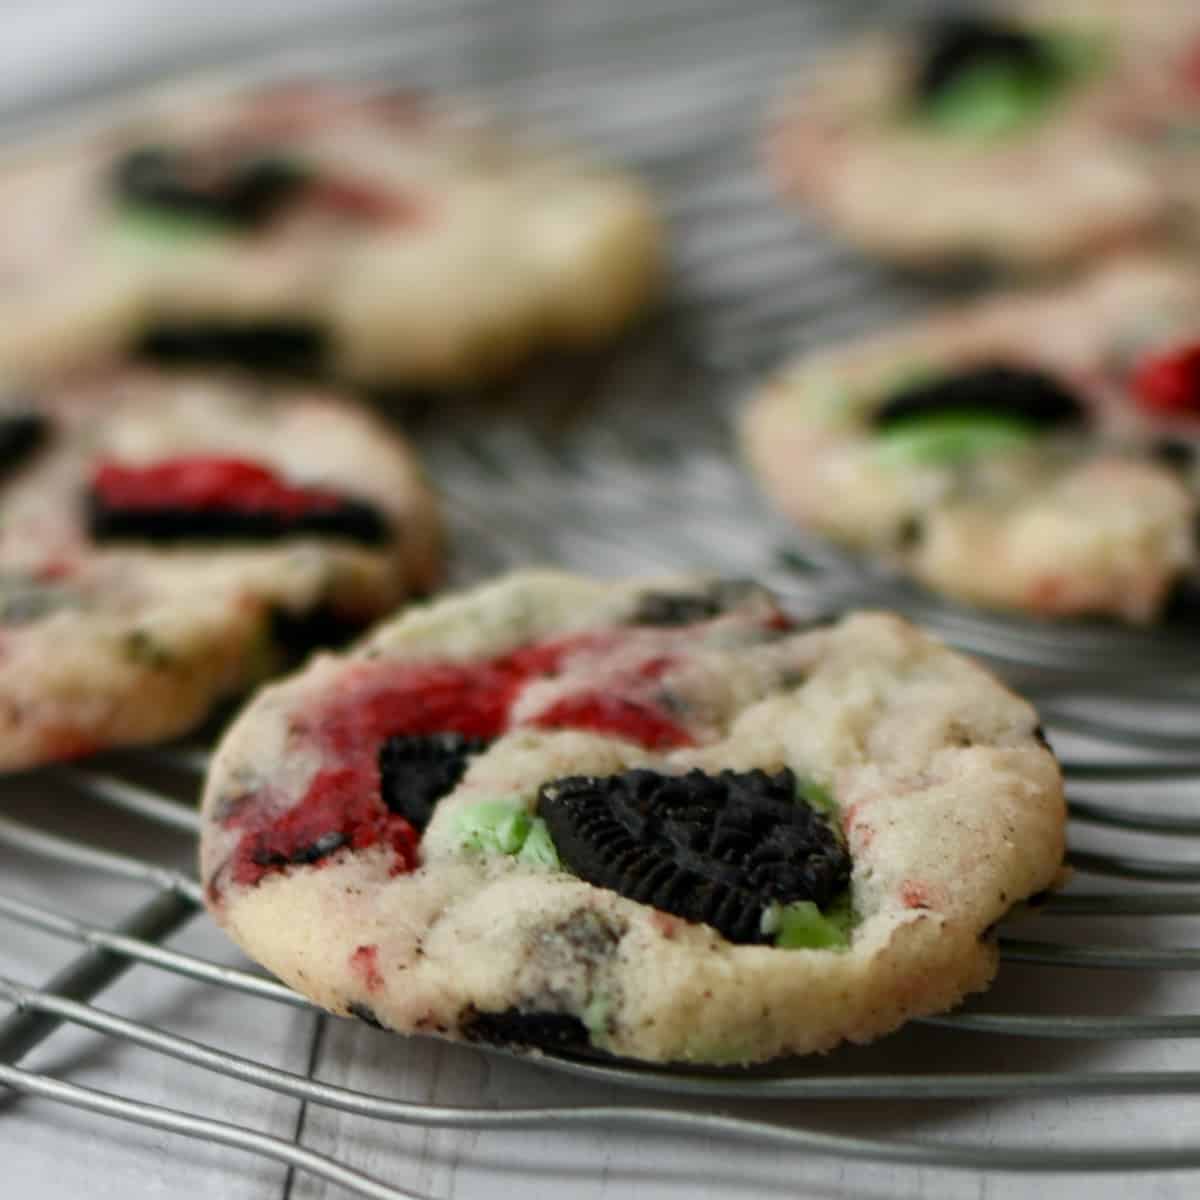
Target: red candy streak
[(198, 483), (1170, 383), (915, 895), (1191, 70), (365, 961), (336, 812), (364, 201), (603, 713), (376, 700)]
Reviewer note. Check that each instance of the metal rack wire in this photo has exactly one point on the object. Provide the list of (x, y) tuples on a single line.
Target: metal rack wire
[(174, 899), (621, 465)]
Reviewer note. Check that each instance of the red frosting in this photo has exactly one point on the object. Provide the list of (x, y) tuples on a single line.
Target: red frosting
[(336, 811), (198, 483), (365, 961), (1191, 69), (601, 712), (376, 699), (365, 201), (1169, 383)]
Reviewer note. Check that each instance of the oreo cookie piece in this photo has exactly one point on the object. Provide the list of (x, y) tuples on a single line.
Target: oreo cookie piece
[(223, 499), (294, 347), (715, 849), (21, 433), (350, 520), (305, 853), (244, 193), (1033, 397), (1176, 453), (1183, 604), (417, 770), (516, 1028), (299, 633), (954, 44)]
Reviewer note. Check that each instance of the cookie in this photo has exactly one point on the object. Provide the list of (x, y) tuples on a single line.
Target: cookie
[(650, 819), (1023, 140), (381, 237), (167, 541), (1014, 454)]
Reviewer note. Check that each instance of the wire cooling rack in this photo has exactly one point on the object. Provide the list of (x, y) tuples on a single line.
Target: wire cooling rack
[(620, 464), (172, 898)]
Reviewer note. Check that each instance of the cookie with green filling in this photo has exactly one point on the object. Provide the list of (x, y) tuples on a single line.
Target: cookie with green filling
[(652, 819), (1024, 138), (1031, 452)]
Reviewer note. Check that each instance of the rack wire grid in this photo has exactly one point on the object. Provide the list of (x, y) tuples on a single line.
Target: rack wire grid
[(1082, 1059)]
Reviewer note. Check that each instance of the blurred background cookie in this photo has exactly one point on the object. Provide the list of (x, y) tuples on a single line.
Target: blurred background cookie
[(1024, 138), (167, 542), (380, 237), (1033, 452)]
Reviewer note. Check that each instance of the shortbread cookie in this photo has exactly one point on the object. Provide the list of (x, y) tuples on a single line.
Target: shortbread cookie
[(165, 541), (1032, 452), (650, 819), (381, 237), (1028, 139)]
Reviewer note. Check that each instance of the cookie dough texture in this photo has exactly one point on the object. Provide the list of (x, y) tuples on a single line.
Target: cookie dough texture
[(1084, 522), (131, 642), (430, 248), (1108, 166), (950, 803)]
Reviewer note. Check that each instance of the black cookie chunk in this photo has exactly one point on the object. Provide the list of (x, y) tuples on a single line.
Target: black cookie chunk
[(298, 633), (1183, 604), (303, 855), (350, 519), (954, 44), (21, 433), (1176, 453), (515, 1027), (243, 194), (417, 770), (297, 347), (684, 608), (713, 849), (994, 389)]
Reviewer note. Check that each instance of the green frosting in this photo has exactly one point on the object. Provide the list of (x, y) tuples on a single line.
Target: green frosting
[(991, 99), (595, 1017), (138, 226), (998, 98), (801, 925), (818, 798), (538, 850), (505, 827), (950, 438)]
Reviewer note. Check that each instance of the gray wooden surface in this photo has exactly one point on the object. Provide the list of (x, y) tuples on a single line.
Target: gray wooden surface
[(645, 80)]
